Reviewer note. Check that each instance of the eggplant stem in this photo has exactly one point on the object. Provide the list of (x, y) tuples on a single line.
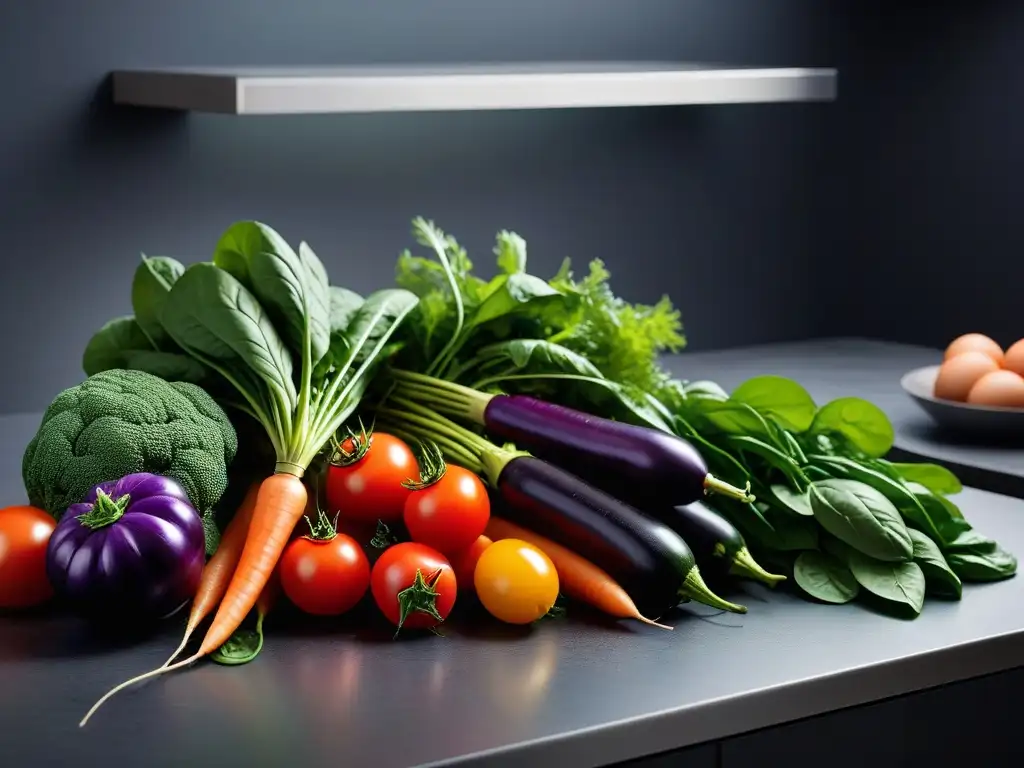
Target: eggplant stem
[(745, 566), (713, 485), (694, 588)]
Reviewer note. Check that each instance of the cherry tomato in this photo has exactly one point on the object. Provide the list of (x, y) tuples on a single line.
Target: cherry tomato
[(364, 479), (464, 562), (414, 586), (515, 581), (24, 534), (325, 576), (449, 514)]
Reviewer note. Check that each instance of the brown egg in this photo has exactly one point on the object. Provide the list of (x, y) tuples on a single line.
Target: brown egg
[(974, 342), (958, 374), (1014, 360), (1001, 388)]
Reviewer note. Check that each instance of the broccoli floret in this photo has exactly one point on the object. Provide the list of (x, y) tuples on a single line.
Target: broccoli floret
[(118, 422)]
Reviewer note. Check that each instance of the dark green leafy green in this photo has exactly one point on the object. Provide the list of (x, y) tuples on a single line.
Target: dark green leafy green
[(864, 424), (972, 541), (982, 566), (800, 503), (862, 517), (212, 316), (902, 583), (935, 478), (151, 285), (778, 398), (939, 577), (292, 287), (824, 577), (121, 343)]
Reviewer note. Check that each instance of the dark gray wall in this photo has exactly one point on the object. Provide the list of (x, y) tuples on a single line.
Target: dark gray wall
[(930, 125), (709, 204)]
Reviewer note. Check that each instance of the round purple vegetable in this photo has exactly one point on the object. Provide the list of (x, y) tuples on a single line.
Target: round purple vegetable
[(132, 549)]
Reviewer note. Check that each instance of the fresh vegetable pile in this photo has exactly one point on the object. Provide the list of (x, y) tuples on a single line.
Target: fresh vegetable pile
[(253, 431)]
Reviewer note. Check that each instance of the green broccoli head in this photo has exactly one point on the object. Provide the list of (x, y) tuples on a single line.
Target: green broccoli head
[(118, 422)]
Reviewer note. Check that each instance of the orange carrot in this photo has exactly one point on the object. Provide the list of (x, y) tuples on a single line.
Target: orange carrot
[(279, 506), (579, 578), (218, 571)]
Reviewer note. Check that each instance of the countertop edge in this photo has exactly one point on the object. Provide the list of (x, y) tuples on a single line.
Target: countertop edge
[(782, 704)]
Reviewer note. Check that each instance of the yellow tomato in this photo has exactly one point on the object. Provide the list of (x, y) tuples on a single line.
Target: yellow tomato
[(515, 581)]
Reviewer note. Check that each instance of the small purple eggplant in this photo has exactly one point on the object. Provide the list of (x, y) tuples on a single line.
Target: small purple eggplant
[(133, 549)]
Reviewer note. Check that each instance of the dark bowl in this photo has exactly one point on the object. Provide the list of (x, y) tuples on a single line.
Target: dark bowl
[(976, 419)]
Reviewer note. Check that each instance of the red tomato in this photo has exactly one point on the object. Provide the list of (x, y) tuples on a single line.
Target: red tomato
[(365, 483), (450, 514), (464, 562), (414, 586), (324, 577), (24, 533)]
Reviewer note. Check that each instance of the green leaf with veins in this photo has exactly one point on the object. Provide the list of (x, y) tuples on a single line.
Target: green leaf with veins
[(154, 277), (292, 287), (121, 343), (864, 424), (778, 398)]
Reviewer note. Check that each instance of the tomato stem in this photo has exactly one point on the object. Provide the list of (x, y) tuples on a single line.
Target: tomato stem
[(431, 465), (323, 530), (383, 537), (419, 596), (353, 448)]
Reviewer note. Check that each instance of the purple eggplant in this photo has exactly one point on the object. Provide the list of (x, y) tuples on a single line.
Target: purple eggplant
[(630, 462), (718, 546), (133, 549), (640, 465), (646, 557)]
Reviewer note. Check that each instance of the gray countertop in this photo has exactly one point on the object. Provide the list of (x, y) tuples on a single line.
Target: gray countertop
[(580, 694)]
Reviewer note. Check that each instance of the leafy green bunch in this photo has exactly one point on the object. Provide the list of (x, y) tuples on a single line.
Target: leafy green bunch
[(260, 328), (523, 332), (830, 509)]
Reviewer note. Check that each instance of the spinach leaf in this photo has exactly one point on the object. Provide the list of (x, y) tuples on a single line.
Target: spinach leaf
[(293, 288), (824, 577), (939, 577), (375, 318), (864, 424), (982, 566), (778, 398), (902, 583), (539, 356), (943, 521), (121, 343), (902, 496), (511, 252), (774, 531), (151, 285), (862, 517), (511, 293), (935, 478), (705, 389), (213, 317), (971, 541), (344, 304), (800, 503), (770, 454), (732, 418)]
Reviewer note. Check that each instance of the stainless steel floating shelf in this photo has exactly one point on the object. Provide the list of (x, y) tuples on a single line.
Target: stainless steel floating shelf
[(259, 91)]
